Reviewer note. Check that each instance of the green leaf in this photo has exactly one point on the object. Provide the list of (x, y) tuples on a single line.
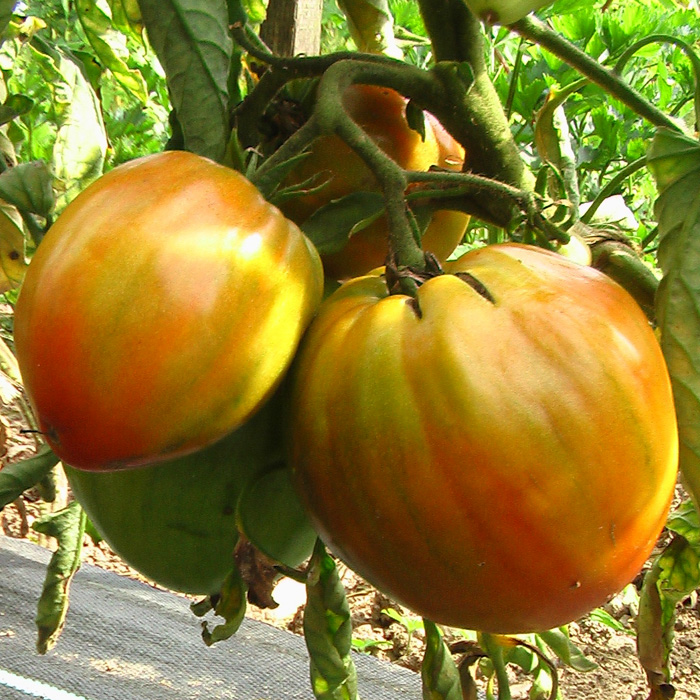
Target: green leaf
[(273, 519), (81, 142), (558, 641), (328, 630), (13, 106), (329, 228), (371, 26), (674, 161), (126, 17), (103, 39), (29, 187), (7, 8), (439, 674), (685, 522), (192, 42), (68, 527), (16, 478), (230, 604)]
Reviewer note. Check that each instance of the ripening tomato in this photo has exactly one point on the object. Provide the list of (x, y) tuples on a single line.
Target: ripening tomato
[(499, 452), (160, 310), (381, 112)]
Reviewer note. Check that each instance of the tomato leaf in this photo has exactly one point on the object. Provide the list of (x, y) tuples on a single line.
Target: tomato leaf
[(330, 227), (558, 641), (192, 42), (81, 142), (126, 17), (439, 673), (328, 630), (16, 478), (674, 161), (230, 604), (685, 522), (68, 527), (102, 37), (29, 187), (272, 518)]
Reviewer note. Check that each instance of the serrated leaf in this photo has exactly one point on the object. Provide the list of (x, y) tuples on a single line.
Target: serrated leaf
[(439, 673), (371, 26), (67, 526), (102, 37), (560, 643), (19, 476), (674, 161), (192, 42), (230, 605), (328, 630), (329, 228), (28, 186)]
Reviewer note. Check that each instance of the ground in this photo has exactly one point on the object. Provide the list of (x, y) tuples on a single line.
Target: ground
[(396, 636)]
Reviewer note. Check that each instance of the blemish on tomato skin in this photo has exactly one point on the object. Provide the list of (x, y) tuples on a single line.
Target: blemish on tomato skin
[(415, 306), (575, 585)]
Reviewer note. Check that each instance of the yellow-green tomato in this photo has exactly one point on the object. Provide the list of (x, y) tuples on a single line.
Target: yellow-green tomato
[(498, 453), (161, 309)]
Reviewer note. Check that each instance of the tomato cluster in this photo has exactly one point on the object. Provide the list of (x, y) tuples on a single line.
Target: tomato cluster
[(497, 451)]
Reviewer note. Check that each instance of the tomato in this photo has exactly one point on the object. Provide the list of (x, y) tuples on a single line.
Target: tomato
[(178, 522), (381, 112), (498, 453), (160, 310)]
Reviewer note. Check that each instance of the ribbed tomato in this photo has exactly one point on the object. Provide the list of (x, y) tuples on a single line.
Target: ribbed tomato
[(498, 453), (381, 112), (160, 310)]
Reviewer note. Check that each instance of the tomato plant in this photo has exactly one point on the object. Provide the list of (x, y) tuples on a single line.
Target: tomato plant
[(498, 452), (381, 112), (160, 310)]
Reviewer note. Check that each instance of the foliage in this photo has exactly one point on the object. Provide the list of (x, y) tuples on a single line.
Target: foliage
[(553, 147)]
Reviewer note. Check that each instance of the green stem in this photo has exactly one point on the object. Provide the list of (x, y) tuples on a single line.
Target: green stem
[(332, 118), (612, 186), (537, 31)]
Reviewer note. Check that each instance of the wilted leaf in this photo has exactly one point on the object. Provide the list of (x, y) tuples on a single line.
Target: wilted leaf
[(12, 261), (674, 161), (192, 42), (230, 605), (328, 631), (102, 37), (439, 674), (67, 526), (19, 476), (126, 17)]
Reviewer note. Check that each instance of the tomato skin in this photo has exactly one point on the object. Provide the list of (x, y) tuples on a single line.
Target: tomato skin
[(381, 112), (160, 310), (500, 465)]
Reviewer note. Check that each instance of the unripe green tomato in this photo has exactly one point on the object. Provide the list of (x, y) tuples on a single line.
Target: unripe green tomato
[(160, 310), (498, 453), (178, 522)]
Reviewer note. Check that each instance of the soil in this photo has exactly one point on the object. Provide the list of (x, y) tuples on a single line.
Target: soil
[(396, 636)]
